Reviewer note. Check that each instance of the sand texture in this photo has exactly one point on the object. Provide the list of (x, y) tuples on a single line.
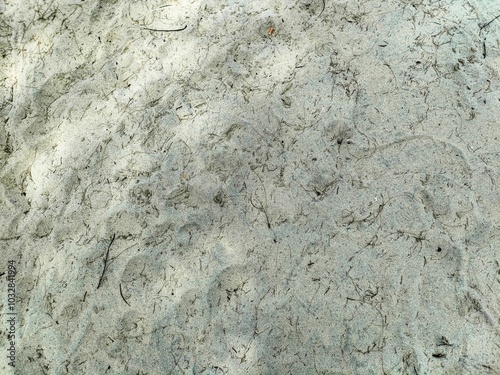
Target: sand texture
[(250, 187)]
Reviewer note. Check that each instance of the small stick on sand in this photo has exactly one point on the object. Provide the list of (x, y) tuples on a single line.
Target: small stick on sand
[(165, 31), (106, 260)]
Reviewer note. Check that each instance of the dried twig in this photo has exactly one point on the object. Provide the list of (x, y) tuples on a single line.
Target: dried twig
[(121, 294), (165, 31), (486, 24), (105, 261)]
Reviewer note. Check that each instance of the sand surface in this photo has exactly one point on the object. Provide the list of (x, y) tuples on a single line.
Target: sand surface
[(250, 187)]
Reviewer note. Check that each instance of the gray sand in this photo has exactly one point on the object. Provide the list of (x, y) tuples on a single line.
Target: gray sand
[(272, 187)]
